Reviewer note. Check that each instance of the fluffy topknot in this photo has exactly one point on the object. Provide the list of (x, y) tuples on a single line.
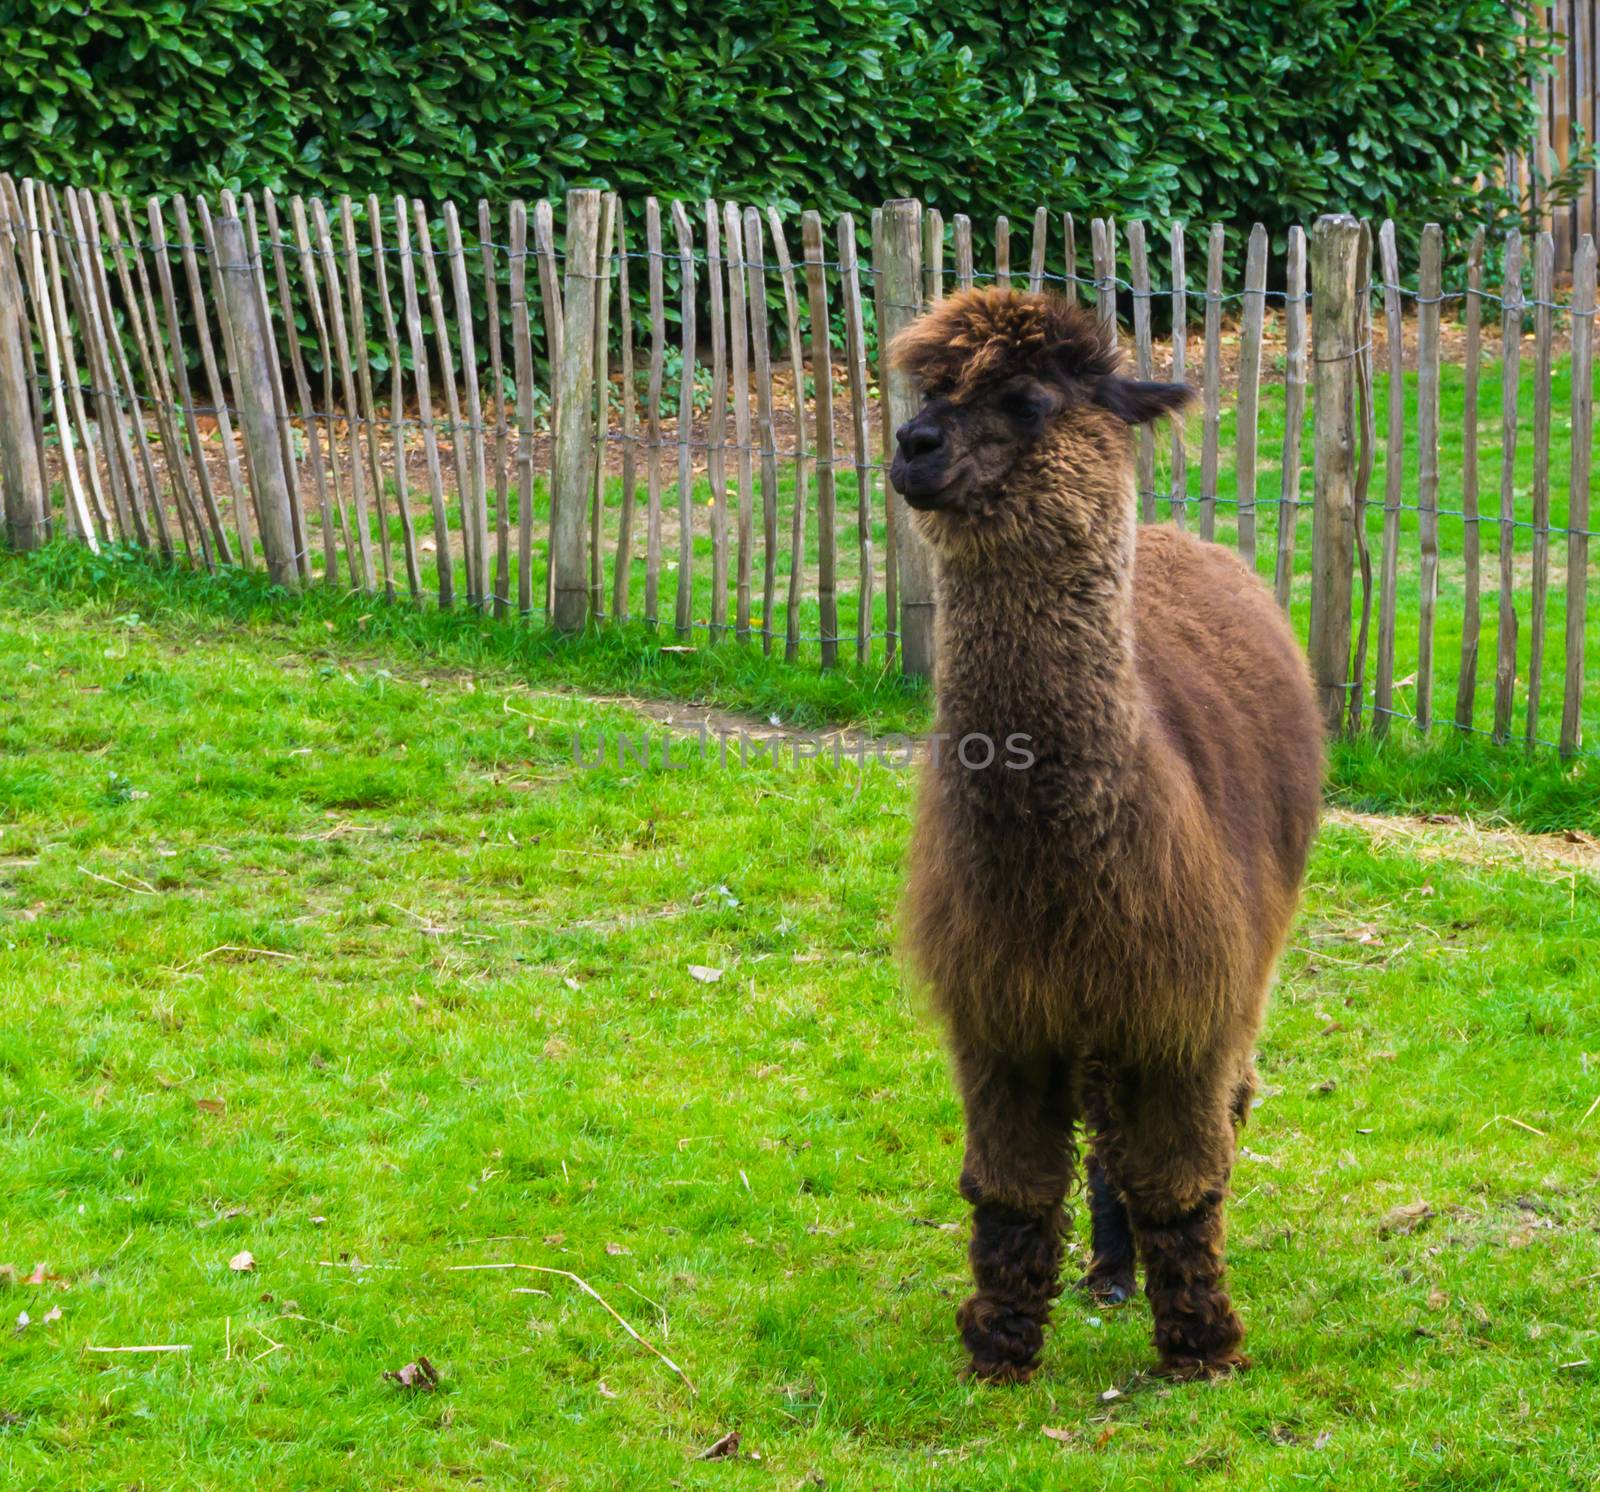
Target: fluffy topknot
[(979, 336)]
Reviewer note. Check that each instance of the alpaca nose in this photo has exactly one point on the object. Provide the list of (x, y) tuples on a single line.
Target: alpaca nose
[(919, 438)]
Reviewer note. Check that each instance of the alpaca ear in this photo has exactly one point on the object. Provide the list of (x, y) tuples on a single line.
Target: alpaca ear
[(1136, 402)]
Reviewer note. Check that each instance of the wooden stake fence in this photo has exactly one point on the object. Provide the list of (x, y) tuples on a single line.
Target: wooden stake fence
[(407, 405)]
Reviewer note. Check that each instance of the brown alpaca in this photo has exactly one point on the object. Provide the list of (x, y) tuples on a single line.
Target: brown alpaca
[(1099, 929)]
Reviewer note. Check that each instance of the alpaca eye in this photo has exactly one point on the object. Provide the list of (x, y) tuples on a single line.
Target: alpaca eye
[(1021, 405)]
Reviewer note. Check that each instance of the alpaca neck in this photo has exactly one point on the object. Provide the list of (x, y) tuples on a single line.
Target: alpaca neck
[(1042, 645)]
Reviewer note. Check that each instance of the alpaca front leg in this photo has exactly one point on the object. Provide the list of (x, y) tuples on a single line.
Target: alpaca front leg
[(1018, 1165), (1171, 1151), (1197, 1332)]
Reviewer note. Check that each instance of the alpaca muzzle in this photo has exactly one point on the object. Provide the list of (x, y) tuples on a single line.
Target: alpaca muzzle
[(921, 467)]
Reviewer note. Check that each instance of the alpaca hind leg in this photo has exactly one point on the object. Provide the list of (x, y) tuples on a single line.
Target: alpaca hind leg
[(1110, 1277), (1017, 1169), (1172, 1147)]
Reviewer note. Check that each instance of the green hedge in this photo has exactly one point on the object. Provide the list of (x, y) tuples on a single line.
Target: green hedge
[(1235, 110)]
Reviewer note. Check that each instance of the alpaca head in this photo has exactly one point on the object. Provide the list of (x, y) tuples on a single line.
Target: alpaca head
[(1024, 424)]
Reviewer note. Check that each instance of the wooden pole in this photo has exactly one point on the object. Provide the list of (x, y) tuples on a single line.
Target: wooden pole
[(1505, 668), (257, 405), (602, 396), (575, 420), (252, 239), (822, 379), (132, 318), (1334, 247), (1393, 476), (797, 375), (544, 248), (1430, 288), (180, 376), (352, 401), (54, 351), (1294, 409), (84, 268), (1036, 258), (761, 348), (452, 399), (497, 392), (744, 465), (684, 597), (658, 366), (902, 243), (1543, 328), (59, 245), (932, 293), (208, 361), (26, 513), (1212, 427), (474, 496), (856, 371), (522, 354), (961, 228), (1179, 483), (302, 383), (90, 519), (622, 572), (717, 426), (1471, 525), (1583, 308), (194, 535), (1245, 443), (1143, 367), (146, 493), (319, 321), (397, 402), (367, 409), (11, 207)]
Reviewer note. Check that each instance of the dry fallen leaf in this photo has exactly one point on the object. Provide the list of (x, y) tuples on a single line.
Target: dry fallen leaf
[(53, 1314), (1110, 1395), (211, 1105), (242, 1262), (727, 1445), (704, 974), (1407, 1218), (1437, 1300), (1062, 1437), (617, 1248), (554, 1240), (605, 1393), (419, 1374), (41, 1276)]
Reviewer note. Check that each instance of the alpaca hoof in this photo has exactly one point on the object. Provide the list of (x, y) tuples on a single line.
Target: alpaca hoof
[(1200, 1369), (998, 1374), (1004, 1343), (1108, 1289)]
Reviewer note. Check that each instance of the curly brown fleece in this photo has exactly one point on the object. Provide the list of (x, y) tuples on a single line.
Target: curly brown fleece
[(1098, 933)]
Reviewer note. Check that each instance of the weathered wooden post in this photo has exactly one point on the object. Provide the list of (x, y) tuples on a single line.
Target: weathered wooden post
[(253, 342), (26, 516), (902, 303), (573, 473), (1334, 321)]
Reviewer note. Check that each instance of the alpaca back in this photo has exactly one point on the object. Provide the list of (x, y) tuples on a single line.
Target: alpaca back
[(1230, 691)]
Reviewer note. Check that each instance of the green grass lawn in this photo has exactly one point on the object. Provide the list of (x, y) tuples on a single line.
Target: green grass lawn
[(316, 943)]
